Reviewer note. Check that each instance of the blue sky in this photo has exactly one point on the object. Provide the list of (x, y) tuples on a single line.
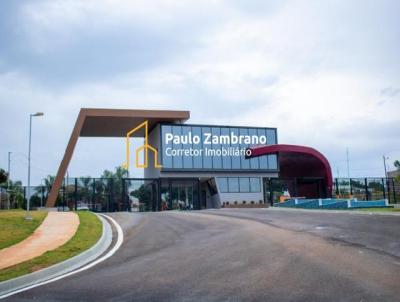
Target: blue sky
[(325, 73)]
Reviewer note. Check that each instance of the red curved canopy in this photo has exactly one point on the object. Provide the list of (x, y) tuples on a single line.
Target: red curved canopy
[(298, 161)]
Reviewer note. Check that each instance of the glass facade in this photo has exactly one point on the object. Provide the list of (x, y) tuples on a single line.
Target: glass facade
[(239, 184), (208, 148), (179, 194)]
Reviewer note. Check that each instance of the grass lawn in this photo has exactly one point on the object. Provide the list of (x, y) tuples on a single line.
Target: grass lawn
[(14, 228), (88, 233)]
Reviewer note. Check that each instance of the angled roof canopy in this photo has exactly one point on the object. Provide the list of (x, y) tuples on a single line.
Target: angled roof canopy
[(117, 122), (93, 122)]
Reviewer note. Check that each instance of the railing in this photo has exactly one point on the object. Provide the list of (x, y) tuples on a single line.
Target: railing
[(370, 188), (111, 194)]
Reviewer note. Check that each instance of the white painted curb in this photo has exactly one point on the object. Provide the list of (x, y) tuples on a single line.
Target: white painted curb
[(76, 264)]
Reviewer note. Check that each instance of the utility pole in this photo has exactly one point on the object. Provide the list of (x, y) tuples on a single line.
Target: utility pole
[(28, 215), (9, 169), (384, 164), (348, 167), (8, 179)]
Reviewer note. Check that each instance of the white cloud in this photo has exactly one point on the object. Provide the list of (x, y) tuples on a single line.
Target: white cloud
[(322, 73)]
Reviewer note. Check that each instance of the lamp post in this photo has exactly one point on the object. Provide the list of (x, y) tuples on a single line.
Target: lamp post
[(8, 179), (386, 177), (41, 192), (384, 164), (28, 216)]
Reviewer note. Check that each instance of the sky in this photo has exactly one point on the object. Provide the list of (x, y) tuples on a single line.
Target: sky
[(325, 73)]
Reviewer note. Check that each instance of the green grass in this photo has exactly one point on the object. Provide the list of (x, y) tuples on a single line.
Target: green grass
[(88, 233), (14, 228)]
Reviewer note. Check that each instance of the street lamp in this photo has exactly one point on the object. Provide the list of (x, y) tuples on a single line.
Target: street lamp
[(9, 179), (28, 216), (384, 164)]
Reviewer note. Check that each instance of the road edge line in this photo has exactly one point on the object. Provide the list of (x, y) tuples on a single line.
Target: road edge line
[(111, 252)]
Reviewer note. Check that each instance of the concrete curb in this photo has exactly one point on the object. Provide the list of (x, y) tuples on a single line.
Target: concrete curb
[(63, 267), (350, 212)]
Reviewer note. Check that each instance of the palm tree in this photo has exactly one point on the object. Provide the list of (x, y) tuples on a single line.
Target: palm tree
[(114, 183), (16, 191), (46, 186)]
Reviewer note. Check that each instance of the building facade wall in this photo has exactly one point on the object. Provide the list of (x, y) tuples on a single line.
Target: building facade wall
[(213, 167), (229, 157)]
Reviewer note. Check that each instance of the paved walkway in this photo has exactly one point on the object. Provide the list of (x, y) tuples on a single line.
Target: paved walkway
[(56, 229)]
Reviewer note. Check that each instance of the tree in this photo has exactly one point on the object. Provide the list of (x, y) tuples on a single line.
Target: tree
[(46, 187), (3, 176), (113, 181), (397, 165), (16, 194), (84, 189), (144, 197)]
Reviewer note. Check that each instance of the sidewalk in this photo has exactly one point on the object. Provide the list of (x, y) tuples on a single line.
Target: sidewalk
[(56, 229)]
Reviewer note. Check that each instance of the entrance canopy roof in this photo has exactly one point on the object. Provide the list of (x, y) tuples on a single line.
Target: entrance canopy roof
[(110, 123), (117, 122), (298, 161)]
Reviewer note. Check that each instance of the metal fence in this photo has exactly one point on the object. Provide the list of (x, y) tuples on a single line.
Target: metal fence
[(276, 189), (113, 194), (367, 188)]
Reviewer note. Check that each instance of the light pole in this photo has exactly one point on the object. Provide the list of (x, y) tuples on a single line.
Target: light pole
[(384, 164), (8, 179), (386, 178), (9, 166), (28, 216), (41, 193)]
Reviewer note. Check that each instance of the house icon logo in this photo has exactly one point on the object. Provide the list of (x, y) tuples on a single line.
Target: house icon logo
[(145, 148)]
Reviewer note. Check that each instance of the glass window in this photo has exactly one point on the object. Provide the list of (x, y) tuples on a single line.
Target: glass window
[(177, 159), (271, 137), (235, 159), (244, 184), (263, 160), (187, 159), (207, 160), (166, 160), (245, 163), (254, 161), (232, 160), (226, 160), (272, 162), (233, 184), (217, 160), (255, 185), (223, 184), (197, 160)]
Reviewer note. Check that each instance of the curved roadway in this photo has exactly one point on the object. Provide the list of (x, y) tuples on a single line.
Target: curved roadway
[(242, 255)]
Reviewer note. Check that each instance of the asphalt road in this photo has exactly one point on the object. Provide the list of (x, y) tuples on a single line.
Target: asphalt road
[(242, 255)]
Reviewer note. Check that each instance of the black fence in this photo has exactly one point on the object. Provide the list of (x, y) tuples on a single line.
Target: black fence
[(128, 194), (361, 188)]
